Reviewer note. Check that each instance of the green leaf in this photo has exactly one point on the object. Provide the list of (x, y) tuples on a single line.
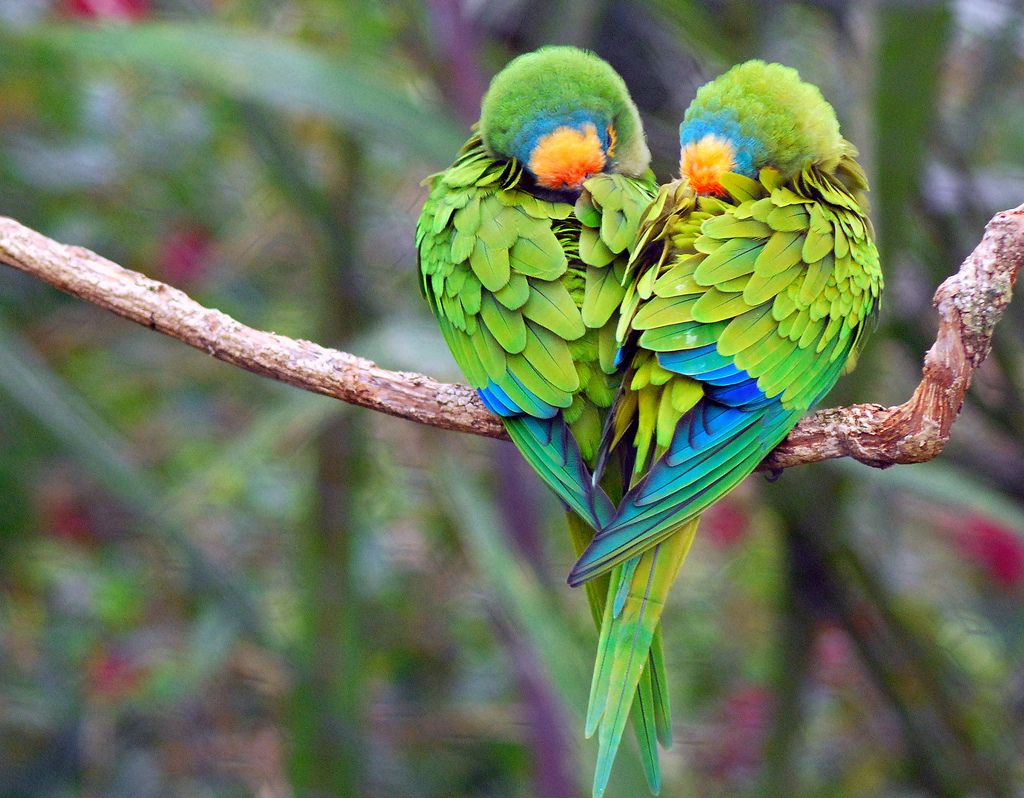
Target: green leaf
[(908, 82), (288, 77)]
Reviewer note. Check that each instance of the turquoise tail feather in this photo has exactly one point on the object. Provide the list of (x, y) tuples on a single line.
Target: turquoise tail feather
[(713, 449), (551, 450), (629, 642)]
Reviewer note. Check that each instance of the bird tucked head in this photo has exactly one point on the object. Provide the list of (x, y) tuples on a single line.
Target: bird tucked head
[(565, 115), (753, 116)]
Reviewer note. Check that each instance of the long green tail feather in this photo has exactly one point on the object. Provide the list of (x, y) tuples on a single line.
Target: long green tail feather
[(603, 662), (650, 713), (597, 589), (645, 727), (662, 710), (629, 642), (625, 579)]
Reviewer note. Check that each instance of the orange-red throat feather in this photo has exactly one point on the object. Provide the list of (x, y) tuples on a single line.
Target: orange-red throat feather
[(704, 162), (565, 157)]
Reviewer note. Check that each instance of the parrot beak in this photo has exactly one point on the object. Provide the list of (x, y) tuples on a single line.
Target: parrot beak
[(566, 157), (704, 162)]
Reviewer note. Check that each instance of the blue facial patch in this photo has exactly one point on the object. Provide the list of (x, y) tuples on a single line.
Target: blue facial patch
[(750, 153), (525, 140)]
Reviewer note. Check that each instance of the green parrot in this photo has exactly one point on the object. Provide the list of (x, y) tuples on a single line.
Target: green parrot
[(752, 283), (523, 244)]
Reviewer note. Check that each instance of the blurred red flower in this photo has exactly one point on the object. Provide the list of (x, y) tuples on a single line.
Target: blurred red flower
[(725, 524), (736, 752), (129, 10), (833, 656), (113, 674), (994, 548), (69, 522), (64, 510), (184, 255)]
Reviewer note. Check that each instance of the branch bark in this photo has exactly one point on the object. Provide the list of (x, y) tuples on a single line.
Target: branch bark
[(969, 303)]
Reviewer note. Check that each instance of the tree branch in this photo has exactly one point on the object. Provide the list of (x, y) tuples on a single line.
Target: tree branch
[(969, 305), (306, 365)]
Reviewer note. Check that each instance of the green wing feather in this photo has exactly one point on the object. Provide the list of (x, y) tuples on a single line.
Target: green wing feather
[(790, 325), (782, 281), (526, 292)]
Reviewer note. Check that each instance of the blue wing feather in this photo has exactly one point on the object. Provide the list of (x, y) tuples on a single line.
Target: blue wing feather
[(497, 401), (552, 451), (714, 447)]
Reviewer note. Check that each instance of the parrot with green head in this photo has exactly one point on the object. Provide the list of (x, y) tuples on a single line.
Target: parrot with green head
[(523, 244), (752, 283)]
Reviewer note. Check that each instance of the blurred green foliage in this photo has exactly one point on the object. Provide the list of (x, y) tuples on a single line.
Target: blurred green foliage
[(213, 585)]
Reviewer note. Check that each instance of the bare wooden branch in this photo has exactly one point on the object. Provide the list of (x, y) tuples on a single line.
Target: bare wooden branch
[(970, 303), (306, 365)]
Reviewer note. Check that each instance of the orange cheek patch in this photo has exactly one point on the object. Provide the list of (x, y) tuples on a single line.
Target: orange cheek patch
[(703, 163), (566, 157)]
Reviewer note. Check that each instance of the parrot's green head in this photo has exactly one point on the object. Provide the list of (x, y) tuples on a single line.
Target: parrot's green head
[(753, 116), (565, 115)]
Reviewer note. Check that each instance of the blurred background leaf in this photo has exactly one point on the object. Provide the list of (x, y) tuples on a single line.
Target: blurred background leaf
[(373, 99)]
